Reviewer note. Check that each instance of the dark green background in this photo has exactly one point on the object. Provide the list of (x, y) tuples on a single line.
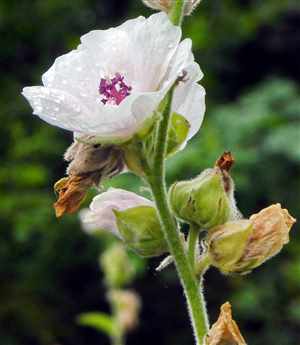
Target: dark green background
[(249, 52)]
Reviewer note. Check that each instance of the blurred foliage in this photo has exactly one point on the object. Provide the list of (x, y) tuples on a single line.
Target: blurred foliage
[(249, 51)]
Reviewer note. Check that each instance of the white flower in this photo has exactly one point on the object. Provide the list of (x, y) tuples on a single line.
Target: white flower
[(110, 85), (100, 216)]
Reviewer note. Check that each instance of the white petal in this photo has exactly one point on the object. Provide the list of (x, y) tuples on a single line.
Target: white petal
[(141, 49), (153, 47), (63, 110), (183, 60), (57, 107), (75, 74), (189, 101), (146, 51), (101, 216)]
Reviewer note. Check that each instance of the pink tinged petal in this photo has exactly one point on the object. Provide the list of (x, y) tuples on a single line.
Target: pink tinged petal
[(101, 215)]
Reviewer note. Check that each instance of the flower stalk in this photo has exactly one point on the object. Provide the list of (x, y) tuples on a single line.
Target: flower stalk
[(177, 12), (193, 241), (156, 179)]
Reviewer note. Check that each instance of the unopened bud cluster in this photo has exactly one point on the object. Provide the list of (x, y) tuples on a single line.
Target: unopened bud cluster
[(234, 245), (166, 5)]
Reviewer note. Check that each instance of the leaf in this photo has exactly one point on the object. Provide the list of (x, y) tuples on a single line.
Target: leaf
[(285, 140), (99, 321), (178, 132)]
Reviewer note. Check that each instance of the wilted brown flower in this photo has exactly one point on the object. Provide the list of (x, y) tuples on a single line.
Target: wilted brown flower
[(240, 246), (165, 5), (225, 331), (89, 165), (271, 228)]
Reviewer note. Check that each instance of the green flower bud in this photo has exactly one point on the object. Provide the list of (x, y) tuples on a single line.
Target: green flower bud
[(141, 231), (117, 267), (227, 243), (206, 200), (240, 246)]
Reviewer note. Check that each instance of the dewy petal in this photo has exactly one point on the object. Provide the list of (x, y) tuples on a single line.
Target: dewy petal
[(183, 60), (146, 52), (57, 107), (141, 48), (189, 101), (101, 216)]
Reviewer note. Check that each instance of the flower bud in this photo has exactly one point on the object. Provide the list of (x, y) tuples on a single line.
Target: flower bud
[(130, 217), (166, 5), (204, 200), (240, 246), (127, 305), (117, 267), (225, 330)]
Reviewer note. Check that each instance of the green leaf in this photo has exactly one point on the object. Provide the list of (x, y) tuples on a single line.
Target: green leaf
[(284, 140), (99, 321), (178, 132)]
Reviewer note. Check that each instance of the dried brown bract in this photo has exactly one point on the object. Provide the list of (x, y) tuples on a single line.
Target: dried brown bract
[(225, 331), (89, 165)]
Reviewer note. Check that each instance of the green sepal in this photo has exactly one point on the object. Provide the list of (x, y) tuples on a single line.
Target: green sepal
[(141, 231), (178, 132), (202, 200), (227, 245)]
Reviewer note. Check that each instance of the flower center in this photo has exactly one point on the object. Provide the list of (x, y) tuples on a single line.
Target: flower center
[(114, 90)]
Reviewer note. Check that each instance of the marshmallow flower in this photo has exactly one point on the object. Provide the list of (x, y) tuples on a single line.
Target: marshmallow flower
[(108, 88), (101, 217)]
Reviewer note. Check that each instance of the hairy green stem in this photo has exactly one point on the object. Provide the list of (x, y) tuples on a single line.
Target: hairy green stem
[(202, 265), (155, 176), (156, 180), (177, 11), (193, 238)]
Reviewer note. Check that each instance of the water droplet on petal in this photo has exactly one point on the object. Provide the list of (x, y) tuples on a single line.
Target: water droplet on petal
[(77, 108)]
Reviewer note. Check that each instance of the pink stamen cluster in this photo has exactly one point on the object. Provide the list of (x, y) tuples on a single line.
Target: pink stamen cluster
[(114, 90)]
